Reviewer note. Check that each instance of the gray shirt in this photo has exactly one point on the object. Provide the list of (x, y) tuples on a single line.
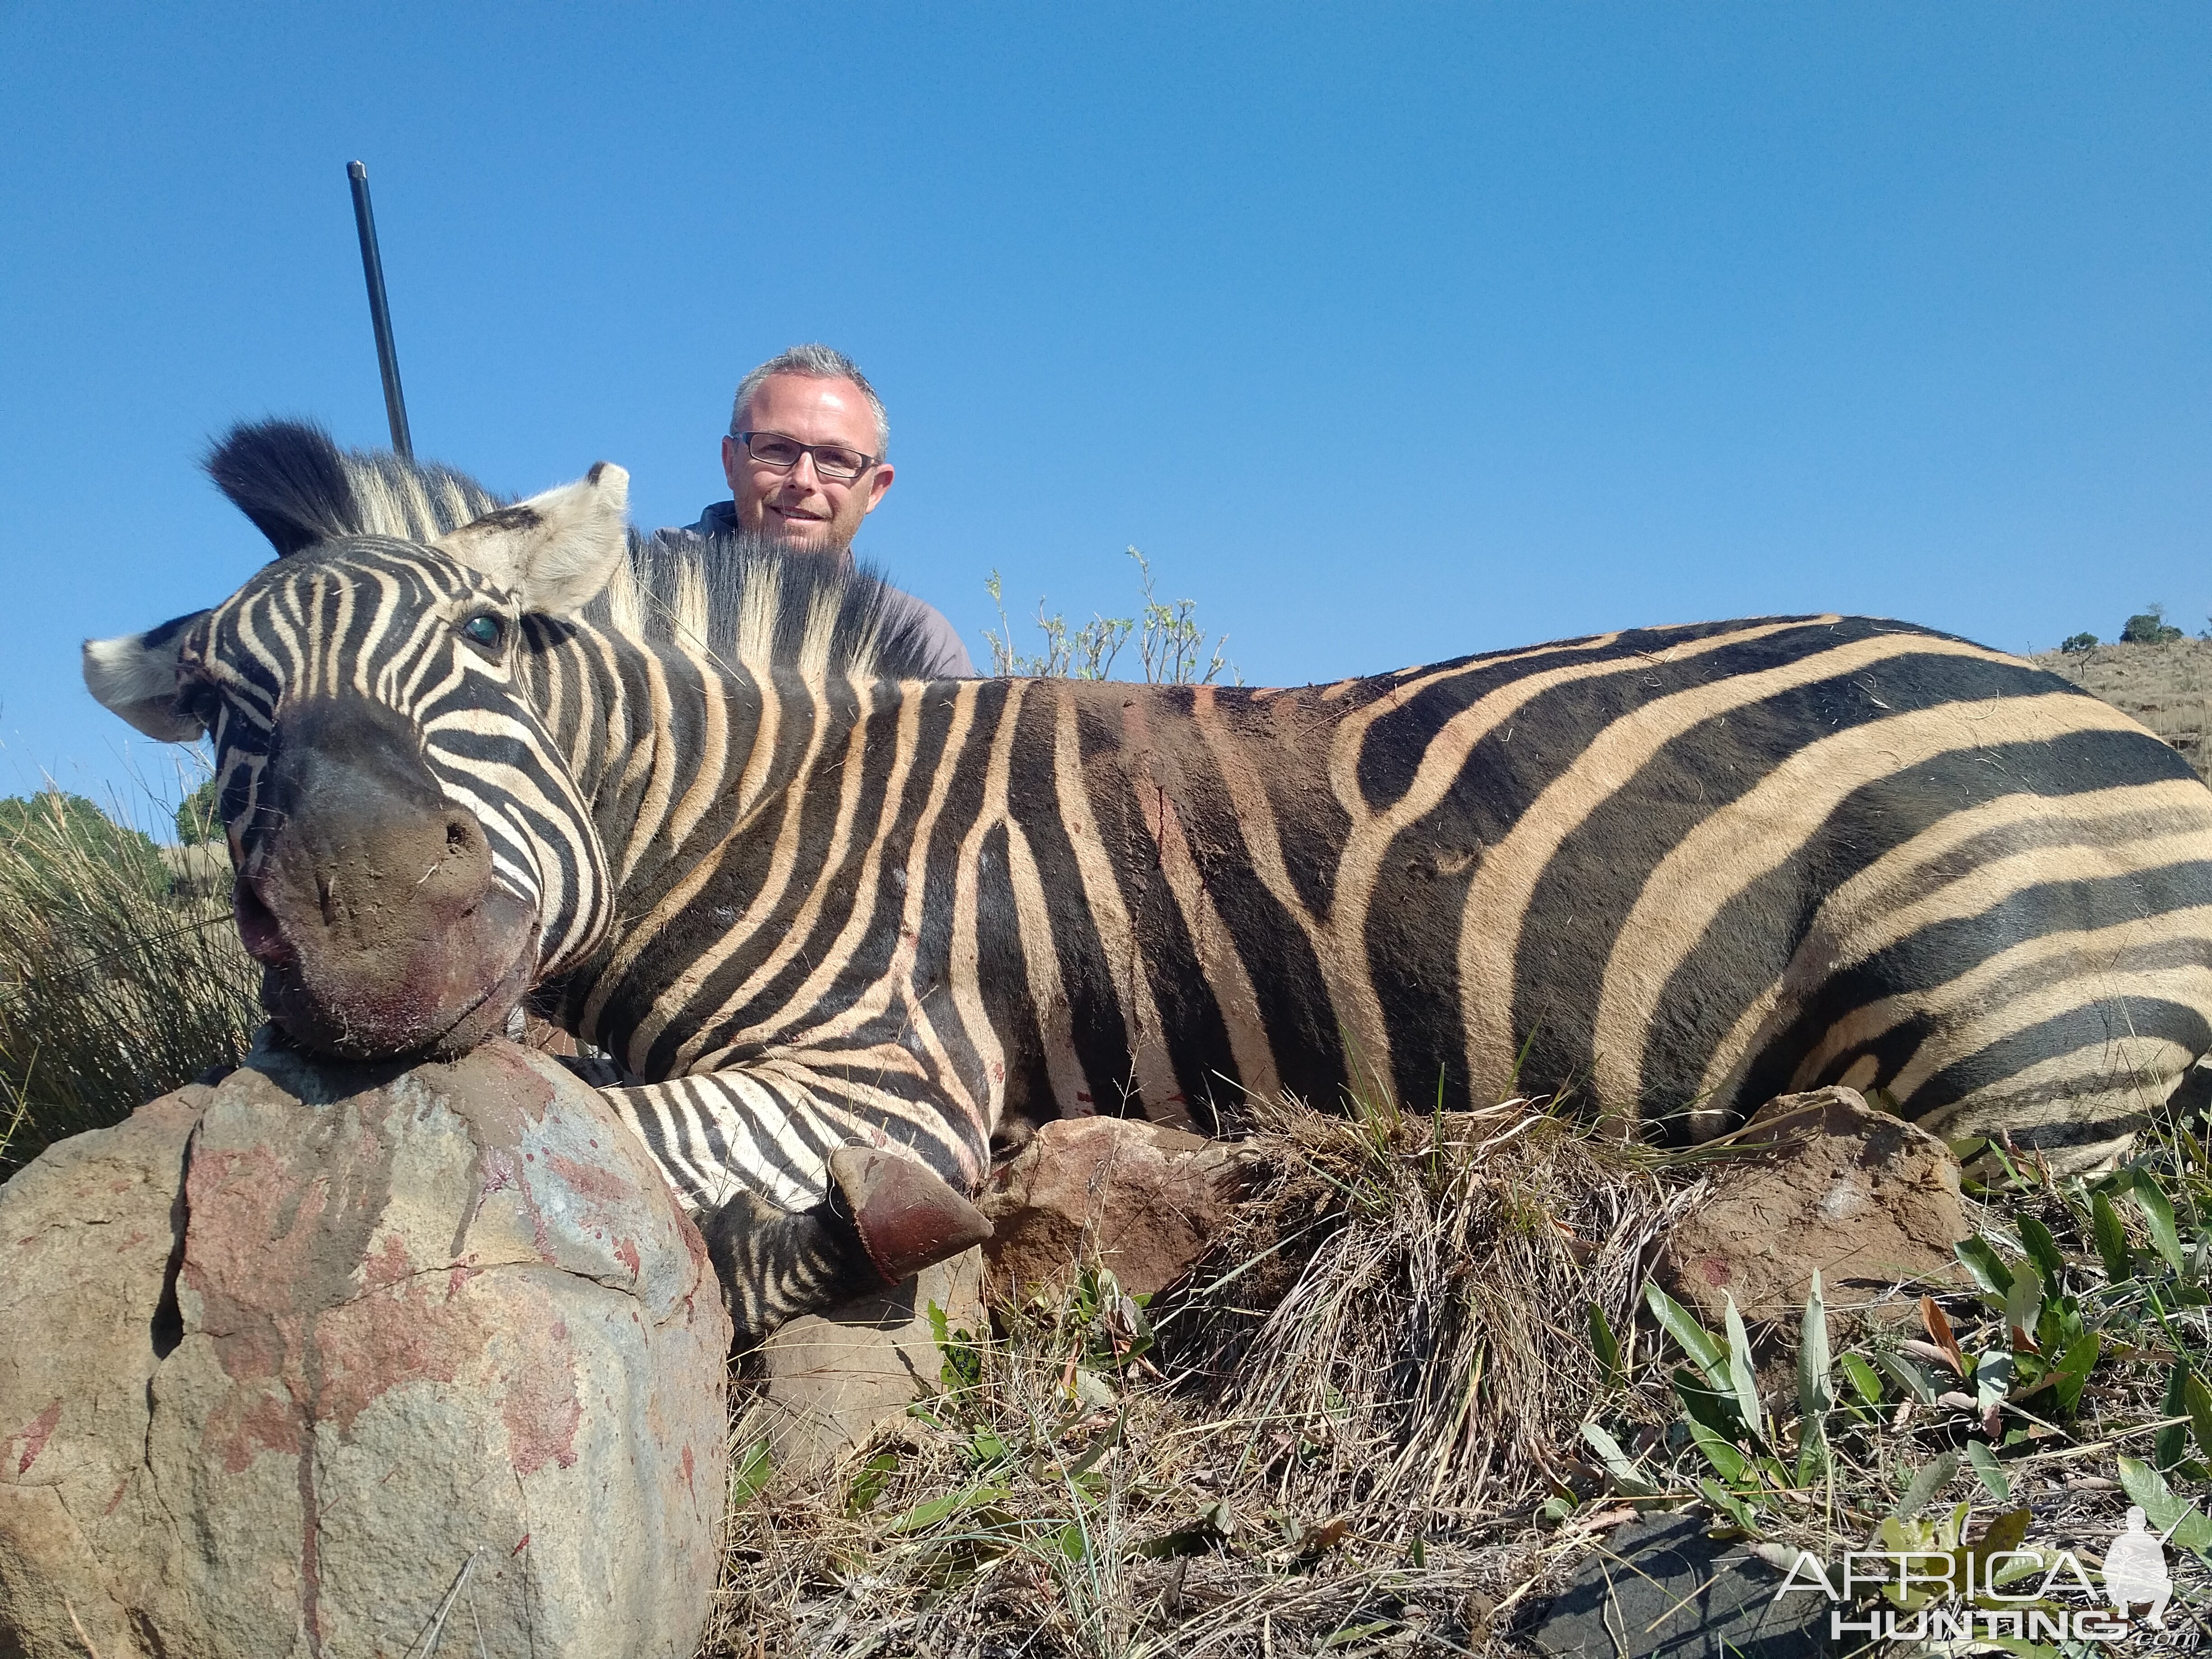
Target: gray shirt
[(949, 658)]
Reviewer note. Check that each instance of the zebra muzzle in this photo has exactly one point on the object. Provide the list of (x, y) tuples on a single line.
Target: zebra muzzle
[(370, 901)]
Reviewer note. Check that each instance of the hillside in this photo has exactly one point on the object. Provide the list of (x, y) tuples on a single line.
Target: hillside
[(2167, 686)]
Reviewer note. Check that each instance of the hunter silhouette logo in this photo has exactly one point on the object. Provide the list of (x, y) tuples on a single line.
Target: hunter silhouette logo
[(2135, 1570)]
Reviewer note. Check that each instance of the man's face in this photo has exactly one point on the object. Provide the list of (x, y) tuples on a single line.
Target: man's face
[(799, 506)]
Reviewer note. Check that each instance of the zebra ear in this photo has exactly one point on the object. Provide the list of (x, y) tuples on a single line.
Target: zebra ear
[(554, 552), (135, 675)]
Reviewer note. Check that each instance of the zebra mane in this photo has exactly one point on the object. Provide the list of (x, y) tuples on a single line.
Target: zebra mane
[(735, 597), (744, 598), (299, 488)]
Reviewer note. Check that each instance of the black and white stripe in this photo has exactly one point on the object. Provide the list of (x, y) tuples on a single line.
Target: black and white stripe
[(1665, 872), (1669, 872)]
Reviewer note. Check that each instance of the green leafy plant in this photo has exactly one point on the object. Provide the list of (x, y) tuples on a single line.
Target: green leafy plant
[(1718, 1393), (961, 1350), (2168, 1514), (2040, 1340), (1171, 645), (1945, 1538)]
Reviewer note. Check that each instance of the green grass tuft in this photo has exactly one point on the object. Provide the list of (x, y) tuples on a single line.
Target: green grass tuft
[(120, 979)]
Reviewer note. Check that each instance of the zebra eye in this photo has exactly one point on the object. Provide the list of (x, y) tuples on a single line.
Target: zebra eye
[(202, 701), (487, 629)]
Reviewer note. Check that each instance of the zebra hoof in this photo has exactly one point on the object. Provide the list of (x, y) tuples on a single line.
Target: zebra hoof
[(907, 1216)]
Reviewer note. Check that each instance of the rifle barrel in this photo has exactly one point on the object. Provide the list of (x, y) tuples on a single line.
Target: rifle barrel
[(380, 315)]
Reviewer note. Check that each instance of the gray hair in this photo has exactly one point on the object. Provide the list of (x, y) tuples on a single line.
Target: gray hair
[(817, 362)]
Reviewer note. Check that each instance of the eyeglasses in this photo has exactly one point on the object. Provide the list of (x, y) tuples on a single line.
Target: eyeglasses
[(832, 461)]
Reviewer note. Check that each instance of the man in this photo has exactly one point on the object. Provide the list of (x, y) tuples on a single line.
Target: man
[(805, 461)]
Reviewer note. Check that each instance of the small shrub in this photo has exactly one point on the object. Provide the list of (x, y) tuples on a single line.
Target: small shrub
[(196, 824), (1170, 644)]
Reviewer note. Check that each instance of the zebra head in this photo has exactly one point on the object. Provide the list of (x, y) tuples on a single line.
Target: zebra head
[(411, 851)]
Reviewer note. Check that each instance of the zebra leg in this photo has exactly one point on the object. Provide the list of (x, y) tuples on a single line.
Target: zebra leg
[(796, 1215), (886, 1217)]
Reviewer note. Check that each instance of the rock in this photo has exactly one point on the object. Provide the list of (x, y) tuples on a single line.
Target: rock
[(1661, 1587), (436, 1345), (1866, 1198), (1138, 1198), (830, 1380), (87, 1229)]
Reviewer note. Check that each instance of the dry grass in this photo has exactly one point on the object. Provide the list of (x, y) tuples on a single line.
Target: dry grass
[(1436, 1332), (1362, 1433), (117, 983), (2167, 686), (1339, 1442)]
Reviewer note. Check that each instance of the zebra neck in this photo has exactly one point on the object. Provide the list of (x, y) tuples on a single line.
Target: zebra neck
[(791, 839), (684, 759), (667, 743)]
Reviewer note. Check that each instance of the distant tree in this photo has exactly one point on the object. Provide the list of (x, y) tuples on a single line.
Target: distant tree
[(2078, 642), (2149, 627), (196, 817)]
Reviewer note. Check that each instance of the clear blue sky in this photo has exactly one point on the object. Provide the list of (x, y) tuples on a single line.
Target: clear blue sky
[(1388, 333)]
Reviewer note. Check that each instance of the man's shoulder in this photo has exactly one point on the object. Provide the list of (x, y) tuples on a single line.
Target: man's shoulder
[(948, 657), (716, 518)]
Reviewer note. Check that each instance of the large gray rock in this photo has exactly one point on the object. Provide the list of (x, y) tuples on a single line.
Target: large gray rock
[(86, 1233), (417, 1349), (1661, 1587)]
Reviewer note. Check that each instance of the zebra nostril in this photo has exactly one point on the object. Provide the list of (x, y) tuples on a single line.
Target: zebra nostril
[(258, 927), (460, 836)]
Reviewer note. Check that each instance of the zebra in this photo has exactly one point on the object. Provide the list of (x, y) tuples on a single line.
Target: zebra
[(841, 931)]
